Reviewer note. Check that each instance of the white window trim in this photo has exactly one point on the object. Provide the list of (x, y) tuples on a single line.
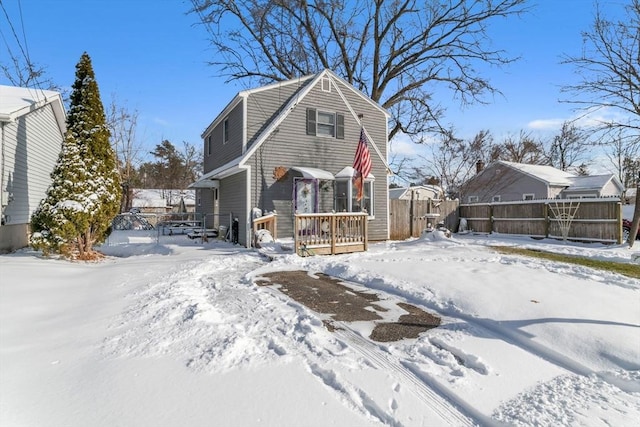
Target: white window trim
[(496, 199), (350, 195), (320, 124), (473, 199), (325, 84), (531, 195)]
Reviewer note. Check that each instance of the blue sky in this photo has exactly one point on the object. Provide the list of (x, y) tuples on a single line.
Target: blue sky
[(152, 56)]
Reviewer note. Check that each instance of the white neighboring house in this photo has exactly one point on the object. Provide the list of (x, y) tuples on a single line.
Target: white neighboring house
[(162, 200), (32, 128), (417, 192)]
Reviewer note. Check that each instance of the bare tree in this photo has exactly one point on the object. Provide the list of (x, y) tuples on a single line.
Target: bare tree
[(609, 70), (398, 52), (624, 158), (567, 148), (123, 125), (521, 149), (454, 160)]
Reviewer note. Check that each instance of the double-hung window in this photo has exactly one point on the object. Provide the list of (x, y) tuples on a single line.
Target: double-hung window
[(325, 123)]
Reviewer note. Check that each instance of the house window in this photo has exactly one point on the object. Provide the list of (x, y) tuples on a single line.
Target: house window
[(528, 196), (225, 131), (208, 145), (346, 197), (325, 123), (473, 199), (495, 199)]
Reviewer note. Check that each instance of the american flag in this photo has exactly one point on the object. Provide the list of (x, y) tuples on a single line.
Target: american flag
[(362, 163)]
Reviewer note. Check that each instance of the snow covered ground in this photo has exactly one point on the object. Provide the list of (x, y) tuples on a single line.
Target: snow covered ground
[(177, 333)]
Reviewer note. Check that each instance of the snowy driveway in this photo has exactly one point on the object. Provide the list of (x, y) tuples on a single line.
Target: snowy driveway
[(179, 334)]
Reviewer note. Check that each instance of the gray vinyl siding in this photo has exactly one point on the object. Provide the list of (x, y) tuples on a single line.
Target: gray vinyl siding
[(205, 195), (233, 196), (32, 145), (291, 146), (505, 182), (264, 105), (221, 152)]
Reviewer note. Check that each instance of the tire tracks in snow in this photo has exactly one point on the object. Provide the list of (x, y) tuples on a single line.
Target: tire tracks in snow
[(444, 402), (497, 331)]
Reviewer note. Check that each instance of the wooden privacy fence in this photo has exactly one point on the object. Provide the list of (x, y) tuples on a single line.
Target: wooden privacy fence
[(408, 218), (597, 219), (330, 233)]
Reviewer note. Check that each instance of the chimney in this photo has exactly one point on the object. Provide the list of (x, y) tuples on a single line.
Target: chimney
[(479, 166)]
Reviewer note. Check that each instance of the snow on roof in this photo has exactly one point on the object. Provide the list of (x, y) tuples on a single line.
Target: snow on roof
[(396, 193), (590, 182), (14, 99), (548, 174), (18, 101), (153, 198)]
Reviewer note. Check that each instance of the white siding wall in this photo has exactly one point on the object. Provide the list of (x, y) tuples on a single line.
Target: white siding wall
[(32, 145)]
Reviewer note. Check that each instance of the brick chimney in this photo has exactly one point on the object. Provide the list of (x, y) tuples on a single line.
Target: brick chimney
[(479, 166)]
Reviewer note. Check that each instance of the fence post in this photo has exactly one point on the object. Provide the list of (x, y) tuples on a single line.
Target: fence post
[(547, 223), (619, 219), (491, 230), (411, 211)]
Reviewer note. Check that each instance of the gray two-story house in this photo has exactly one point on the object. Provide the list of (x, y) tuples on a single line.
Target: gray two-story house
[(289, 147)]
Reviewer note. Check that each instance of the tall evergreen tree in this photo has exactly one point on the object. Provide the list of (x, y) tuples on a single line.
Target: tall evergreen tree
[(85, 193)]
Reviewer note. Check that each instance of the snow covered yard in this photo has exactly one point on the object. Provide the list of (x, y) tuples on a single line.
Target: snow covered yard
[(179, 334)]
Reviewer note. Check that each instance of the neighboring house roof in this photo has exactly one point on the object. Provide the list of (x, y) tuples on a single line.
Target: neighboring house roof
[(160, 198), (18, 101), (592, 182), (311, 81), (398, 193), (547, 174)]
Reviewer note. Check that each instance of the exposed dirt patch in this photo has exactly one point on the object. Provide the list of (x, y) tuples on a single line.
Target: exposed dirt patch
[(327, 295)]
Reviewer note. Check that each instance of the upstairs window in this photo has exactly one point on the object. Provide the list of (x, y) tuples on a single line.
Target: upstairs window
[(208, 145), (225, 131), (325, 123)]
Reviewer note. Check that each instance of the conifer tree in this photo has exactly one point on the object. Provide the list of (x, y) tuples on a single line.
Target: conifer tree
[(85, 193)]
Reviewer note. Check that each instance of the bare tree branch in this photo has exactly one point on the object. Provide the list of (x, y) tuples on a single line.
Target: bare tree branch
[(398, 52)]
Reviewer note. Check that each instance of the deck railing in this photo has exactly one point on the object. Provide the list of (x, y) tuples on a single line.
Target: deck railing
[(330, 233), (267, 222)]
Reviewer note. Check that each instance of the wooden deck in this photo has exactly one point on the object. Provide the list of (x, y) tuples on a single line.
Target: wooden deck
[(330, 233)]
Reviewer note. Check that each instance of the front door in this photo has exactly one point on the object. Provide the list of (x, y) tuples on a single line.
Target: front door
[(306, 195)]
